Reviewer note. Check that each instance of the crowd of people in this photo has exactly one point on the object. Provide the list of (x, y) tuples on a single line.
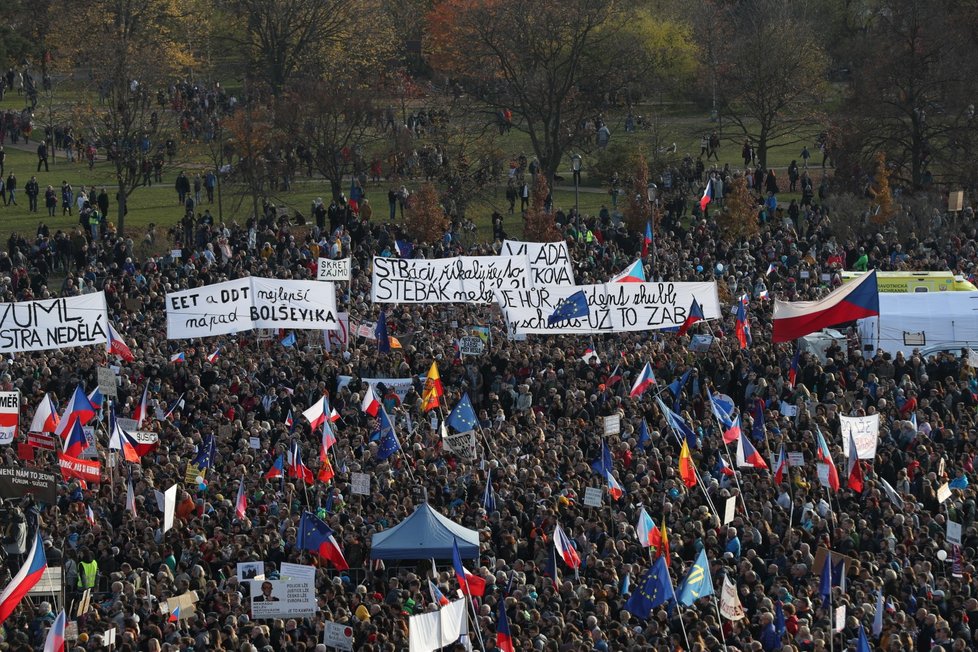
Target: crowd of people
[(539, 404)]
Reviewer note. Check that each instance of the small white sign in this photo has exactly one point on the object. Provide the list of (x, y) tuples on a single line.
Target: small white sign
[(176, 254), (787, 409), (338, 635), (729, 510), (360, 484), (612, 425), (592, 496), (333, 270), (943, 492), (254, 442), (823, 474), (107, 383), (471, 345), (297, 572), (796, 459), (840, 618), (954, 533), (108, 638)]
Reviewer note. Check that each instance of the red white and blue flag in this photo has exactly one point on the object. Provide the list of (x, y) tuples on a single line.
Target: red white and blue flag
[(76, 442), (747, 455), (296, 468), (55, 640), (46, 417), (648, 239), (645, 380), (824, 455), (241, 501), (277, 470), (139, 414), (79, 410), (793, 369), (289, 422), (565, 548), (25, 579), (742, 326), (856, 300), (724, 467), (212, 358), (645, 529), (120, 440), (707, 195), (436, 595), (634, 274), (615, 490), (504, 638), (855, 471), (370, 404), (471, 584), (316, 413), (695, 315), (780, 466), (734, 432), (177, 358), (96, 399), (115, 345)]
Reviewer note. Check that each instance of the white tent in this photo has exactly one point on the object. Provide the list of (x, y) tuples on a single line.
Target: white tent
[(914, 321)]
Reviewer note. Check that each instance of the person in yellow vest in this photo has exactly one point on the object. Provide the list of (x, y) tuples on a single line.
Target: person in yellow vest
[(87, 571)]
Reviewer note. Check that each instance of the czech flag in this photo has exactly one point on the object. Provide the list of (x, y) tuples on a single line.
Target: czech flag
[(471, 585), (334, 416), (724, 467), (139, 414), (695, 315), (174, 615), (115, 345), (741, 327), (771, 268), (565, 548), (590, 353), (296, 468), (76, 442), (615, 490), (780, 466), (177, 358), (824, 455), (79, 410), (634, 274), (89, 515), (733, 433), (45, 417), (686, 469), (120, 440), (277, 470), (370, 404), (645, 530), (25, 579), (504, 639), (212, 358), (852, 301), (96, 398), (55, 641), (793, 369), (707, 195), (328, 440), (436, 595), (316, 413), (648, 239), (747, 455), (288, 420), (645, 380), (241, 501)]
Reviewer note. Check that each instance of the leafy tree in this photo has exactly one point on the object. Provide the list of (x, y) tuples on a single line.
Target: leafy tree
[(538, 224), (638, 211), (738, 219), (251, 130), (555, 66), (425, 219), (770, 72), (879, 191)]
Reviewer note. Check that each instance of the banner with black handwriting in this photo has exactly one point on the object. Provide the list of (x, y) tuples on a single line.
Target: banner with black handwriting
[(247, 303), (611, 307), (53, 323), (549, 262), (465, 279)]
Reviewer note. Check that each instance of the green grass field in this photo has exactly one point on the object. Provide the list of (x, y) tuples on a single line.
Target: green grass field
[(158, 204)]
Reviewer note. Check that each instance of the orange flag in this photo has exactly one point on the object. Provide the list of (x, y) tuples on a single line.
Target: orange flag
[(664, 542), (686, 470), (433, 389)]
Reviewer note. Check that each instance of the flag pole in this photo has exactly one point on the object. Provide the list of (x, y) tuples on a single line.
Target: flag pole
[(716, 605), (682, 624)]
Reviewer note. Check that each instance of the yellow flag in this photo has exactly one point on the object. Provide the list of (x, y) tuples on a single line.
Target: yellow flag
[(433, 389)]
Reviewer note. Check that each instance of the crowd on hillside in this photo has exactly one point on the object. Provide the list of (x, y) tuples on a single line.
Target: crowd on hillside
[(539, 404)]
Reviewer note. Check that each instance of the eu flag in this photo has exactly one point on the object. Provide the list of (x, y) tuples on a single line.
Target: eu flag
[(205, 454), (825, 581), (676, 387), (643, 434), (757, 430), (312, 533), (698, 583), (380, 332), (656, 590), (570, 308), (388, 439), (462, 418), (603, 465)]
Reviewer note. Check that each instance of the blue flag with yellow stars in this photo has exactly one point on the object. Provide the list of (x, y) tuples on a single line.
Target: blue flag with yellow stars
[(570, 308), (656, 590), (462, 418)]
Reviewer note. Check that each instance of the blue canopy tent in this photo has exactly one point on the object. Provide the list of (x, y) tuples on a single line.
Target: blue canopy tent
[(425, 534)]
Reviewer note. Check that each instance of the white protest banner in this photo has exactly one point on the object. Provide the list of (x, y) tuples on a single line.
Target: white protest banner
[(730, 607), (338, 339), (338, 635), (107, 383), (53, 323), (283, 599), (865, 432), (840, 618), (9, 416), (729, 510), (360, 484), (399, 385), (612, 425), (592, 496), (549, 262), (169, 505), (462, 444), (333, 270), (943, 493), (217, 309), (248, 303), (471, 345), (297, 572), (465, 279), (280, 303), (434, 630), (612, 307), (954, 533)]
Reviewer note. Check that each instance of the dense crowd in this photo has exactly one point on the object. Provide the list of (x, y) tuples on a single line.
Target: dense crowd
[(539, 405)]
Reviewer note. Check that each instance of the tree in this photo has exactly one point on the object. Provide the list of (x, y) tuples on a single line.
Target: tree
[(251, 129), (638, 211), (879, 191), (133, 47), (912, 94), (770, 72), (555, 66), (539, 224), (425, 220), (738, 219)]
